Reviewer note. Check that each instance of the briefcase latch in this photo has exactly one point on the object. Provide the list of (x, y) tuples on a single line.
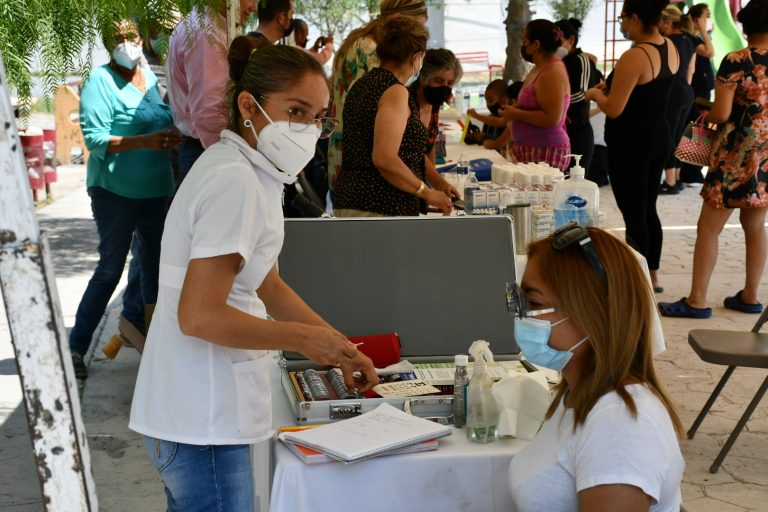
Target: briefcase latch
[(342, 411)]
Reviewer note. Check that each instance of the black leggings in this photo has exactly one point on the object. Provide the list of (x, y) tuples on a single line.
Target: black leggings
[(635, 164), (582, 143)]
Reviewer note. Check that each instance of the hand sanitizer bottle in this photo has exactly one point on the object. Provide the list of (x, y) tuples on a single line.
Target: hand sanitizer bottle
[(460, 381), (482, 412), (576, 199)]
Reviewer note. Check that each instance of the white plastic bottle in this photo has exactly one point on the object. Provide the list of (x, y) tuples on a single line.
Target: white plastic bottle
[(576, 199), (471, 193)]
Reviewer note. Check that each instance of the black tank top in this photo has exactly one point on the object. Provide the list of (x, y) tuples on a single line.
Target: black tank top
[(647, 103), (360, 185)]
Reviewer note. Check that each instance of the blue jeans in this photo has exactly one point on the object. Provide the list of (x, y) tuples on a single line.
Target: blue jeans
[(203, 477), (116, 219), (190, 150), (133, 298)]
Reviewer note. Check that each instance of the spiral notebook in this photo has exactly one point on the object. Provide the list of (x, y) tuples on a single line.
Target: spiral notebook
[(381, 430)]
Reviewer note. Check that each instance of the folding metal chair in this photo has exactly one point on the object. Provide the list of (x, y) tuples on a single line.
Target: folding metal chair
[(731, 348)]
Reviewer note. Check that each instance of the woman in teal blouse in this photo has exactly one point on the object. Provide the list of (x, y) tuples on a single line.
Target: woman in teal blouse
[(129, 132)]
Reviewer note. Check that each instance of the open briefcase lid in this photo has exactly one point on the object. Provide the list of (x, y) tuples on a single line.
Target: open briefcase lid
[(439, 282)]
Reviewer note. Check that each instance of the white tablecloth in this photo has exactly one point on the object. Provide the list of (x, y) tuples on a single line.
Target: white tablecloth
[(458, 476)]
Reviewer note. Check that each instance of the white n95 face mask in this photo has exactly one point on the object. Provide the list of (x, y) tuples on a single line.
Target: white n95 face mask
[(127, 55), (289, 150)]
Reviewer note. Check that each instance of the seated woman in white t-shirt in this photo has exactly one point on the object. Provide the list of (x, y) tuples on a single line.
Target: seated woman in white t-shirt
[(203, 390), (610, 440)]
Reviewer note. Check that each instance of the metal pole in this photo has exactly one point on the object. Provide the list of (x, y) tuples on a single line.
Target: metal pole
[(37, 332)]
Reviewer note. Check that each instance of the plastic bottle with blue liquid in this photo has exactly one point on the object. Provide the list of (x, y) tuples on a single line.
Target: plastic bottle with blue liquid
[(576, 199)]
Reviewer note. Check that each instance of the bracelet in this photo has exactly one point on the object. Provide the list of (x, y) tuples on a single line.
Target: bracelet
[(420, 191)]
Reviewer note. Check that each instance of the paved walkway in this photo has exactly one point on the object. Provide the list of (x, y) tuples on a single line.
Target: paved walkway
[(126, 482)]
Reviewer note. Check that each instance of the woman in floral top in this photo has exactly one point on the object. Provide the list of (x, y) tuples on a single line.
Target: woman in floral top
[(738, 171), (355, 58)]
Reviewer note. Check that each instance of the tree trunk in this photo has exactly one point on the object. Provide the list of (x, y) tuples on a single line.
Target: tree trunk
[(518, 15)]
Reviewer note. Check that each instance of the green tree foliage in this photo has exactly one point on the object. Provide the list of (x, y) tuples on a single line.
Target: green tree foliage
[(57, 37), (332, 17), (564, 9)]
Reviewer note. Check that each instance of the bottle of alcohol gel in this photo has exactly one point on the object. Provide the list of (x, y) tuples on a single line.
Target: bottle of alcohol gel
[(576, 199), (482, 412), (460, 381)]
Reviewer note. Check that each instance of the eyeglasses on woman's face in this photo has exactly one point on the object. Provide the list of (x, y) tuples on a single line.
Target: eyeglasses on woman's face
[(518, 305), (300, 120)]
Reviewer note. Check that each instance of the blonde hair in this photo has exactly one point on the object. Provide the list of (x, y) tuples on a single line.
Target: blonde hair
[(388, 9), (680, 21), (615, 315)]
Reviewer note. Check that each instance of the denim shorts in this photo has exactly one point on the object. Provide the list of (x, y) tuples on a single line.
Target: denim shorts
[(203, 477)]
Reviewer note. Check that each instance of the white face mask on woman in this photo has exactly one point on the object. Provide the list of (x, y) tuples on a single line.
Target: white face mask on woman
[(415, 76), (127, 55), (289, 150)]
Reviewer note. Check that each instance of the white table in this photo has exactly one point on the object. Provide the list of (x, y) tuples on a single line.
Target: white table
[(458, 476)]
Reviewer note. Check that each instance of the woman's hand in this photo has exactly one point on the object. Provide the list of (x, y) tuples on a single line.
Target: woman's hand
[(509, 112), (163, 140), (330, 347), (446, 188), (363, 364), (327, 346), (472, 113), (438, 199), (595, 92)]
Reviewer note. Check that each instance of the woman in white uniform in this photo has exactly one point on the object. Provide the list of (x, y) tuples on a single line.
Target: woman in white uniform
[(203, 390), (610, 438)]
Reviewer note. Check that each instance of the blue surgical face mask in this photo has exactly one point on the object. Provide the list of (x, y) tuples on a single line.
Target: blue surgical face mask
[(532, 336)]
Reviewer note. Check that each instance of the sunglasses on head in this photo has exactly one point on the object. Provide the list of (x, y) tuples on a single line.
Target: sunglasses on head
[(573, 233), (563, 237)]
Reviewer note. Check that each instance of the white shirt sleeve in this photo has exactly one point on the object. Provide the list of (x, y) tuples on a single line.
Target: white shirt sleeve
[(616, 448), (225, 216)]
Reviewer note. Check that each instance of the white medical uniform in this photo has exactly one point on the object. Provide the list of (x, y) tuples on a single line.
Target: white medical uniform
[(189, 390)]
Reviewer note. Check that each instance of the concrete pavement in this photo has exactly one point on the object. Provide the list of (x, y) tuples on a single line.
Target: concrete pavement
[(125, 481)]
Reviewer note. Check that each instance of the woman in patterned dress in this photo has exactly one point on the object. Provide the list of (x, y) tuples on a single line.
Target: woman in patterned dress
[(357, 56), (738, 171), (384, 161)]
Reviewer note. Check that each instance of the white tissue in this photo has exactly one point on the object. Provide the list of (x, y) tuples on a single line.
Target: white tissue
[(523, 401), (400, 367)]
